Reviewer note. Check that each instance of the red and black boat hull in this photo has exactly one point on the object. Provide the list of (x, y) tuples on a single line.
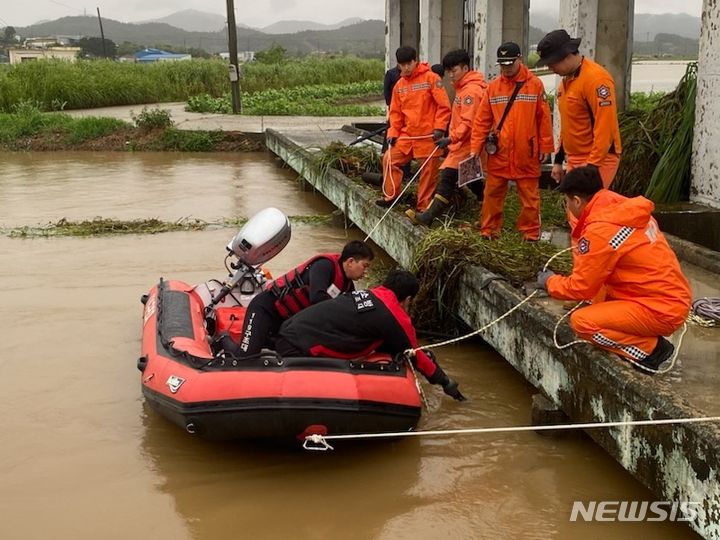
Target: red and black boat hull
[(267, 396)]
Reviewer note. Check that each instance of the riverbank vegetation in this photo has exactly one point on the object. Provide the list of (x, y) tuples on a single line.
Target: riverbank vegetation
[(29, 129), (55, 85)]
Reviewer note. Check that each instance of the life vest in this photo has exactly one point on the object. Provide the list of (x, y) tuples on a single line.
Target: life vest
[(293, 294)]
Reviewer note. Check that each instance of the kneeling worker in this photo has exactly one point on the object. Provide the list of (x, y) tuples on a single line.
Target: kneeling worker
[(357, 323), (620, 247), (320, 278)]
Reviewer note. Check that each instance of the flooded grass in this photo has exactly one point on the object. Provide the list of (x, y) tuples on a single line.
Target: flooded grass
[(106, 227)]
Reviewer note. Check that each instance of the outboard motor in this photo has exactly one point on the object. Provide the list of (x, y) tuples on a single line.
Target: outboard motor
[(260, 239)]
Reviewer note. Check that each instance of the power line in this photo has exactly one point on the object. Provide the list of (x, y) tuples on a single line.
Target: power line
[(65, 5)]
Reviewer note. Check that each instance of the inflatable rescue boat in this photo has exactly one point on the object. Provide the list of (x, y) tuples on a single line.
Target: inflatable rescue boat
[(209, 393)]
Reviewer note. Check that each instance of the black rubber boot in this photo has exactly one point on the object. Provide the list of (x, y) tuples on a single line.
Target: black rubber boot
[(661, 353), (437, 206), (372, 178)]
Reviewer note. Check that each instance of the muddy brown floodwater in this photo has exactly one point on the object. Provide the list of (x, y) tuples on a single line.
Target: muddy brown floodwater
[(83, 457)]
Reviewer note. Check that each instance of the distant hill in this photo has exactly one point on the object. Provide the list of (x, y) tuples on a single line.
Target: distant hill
[(544, 22), (292, 27), (646, 25), (193, 20), (366, 38), (681, 24)]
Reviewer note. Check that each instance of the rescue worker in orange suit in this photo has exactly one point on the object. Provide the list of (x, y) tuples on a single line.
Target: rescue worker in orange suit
[(620, 247), (515, 150), (470, 88), (589, 129), (418, 116), (318, 279), (360, 322)]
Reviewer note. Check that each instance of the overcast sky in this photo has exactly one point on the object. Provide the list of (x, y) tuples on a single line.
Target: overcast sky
[(258, 13)]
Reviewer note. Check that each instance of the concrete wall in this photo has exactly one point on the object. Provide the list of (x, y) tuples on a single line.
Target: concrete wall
[(678, 463), (705, 184)]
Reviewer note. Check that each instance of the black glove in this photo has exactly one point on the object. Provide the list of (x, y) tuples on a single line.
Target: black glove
[(443, 143), (451, 389), (391, 140), (449, 386), (542, 278), (438, 134)]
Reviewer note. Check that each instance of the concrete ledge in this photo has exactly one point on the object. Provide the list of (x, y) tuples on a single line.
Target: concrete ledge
[(678, 463)]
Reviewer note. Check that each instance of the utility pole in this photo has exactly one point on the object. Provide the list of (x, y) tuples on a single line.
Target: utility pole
[(102, 34), (232, 49)]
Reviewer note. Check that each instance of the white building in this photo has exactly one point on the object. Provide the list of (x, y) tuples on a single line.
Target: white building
[(69, 54)]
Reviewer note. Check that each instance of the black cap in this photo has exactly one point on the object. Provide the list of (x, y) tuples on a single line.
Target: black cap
[(555, 46), (507, 53)]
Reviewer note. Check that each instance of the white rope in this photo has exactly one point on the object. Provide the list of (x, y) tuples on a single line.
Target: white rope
[(389, 168), (491, 323), (322, 439), (397, 199)]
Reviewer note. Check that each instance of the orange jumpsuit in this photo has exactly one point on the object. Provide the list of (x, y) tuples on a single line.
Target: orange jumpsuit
[(469, 93), (589, 130), (526, 133), (620, 247), (419, 106)]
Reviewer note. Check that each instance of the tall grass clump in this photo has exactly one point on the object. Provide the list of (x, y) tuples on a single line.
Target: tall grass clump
[(656, 137), (100, 83), (257, 76), (85, 84)]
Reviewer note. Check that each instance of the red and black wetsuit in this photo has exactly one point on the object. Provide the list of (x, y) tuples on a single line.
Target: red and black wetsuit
[(317, 279), (353, 325)]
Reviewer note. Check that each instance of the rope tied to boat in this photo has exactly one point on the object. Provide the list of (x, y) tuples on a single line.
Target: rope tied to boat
[(491, 323), (320, 442)]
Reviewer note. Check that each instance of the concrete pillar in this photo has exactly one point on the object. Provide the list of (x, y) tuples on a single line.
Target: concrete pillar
[(606, 29), (495, 23), (613, 47), (516, 24), (579, 18), (547, 413), (705, 183), (452, 28), (488, 35), (430, 30), (402, 27)]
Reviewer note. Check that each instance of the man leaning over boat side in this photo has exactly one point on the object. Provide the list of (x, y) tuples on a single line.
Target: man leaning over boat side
[(620, 247), (316, 280), (360, 322)]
